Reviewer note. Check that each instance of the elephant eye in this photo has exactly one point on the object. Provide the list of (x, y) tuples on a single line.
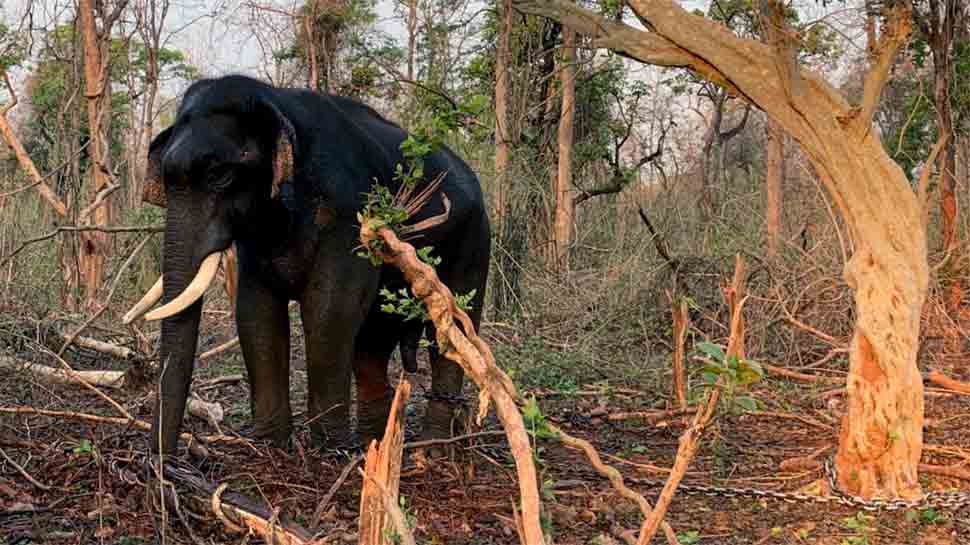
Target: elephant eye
[(219, 177)]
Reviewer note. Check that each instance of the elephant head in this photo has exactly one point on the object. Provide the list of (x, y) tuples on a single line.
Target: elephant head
[(227, 156)]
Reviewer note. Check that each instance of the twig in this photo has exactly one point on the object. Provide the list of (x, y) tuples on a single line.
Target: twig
[(779, 371), (801, 418), (455, 439), (81, 229), (651, 416), (688, 444), (615, 478), (232, 343), (23, 472), (322, 506), (111, 292), (191, 440)]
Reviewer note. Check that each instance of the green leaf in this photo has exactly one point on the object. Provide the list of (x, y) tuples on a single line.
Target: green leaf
[(711, 350), (746, 403)]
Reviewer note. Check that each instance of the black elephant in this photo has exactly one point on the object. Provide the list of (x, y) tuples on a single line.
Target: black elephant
[(281, 173)]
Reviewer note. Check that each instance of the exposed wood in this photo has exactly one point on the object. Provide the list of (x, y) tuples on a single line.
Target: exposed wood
[(940, 379), (120, 352), (473, 355), (53, 375), (382, 477), (681, 324)]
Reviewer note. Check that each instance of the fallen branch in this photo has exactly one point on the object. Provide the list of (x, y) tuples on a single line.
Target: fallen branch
[(120, 352), (782, 372), (240, 511), (228, 345), (191, 440), (322, 506), (651, 417), (946, 471), (616, 480), (465, 348), (940, 379), (52, 375), (23, 471)]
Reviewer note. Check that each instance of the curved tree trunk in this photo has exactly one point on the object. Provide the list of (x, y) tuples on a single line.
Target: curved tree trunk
[(881, 436)]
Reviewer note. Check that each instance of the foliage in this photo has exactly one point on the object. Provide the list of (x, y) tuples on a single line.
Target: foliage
[(737, 374)]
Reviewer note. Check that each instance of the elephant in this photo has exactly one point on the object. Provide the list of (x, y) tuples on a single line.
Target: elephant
[(280, 174)]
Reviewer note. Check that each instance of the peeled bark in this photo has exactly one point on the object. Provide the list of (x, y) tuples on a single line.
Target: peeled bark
[(562, 189), (774, 181), (881, 438), (94, 245)]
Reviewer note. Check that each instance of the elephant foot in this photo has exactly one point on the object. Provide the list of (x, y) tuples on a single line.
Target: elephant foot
[(372, 418), (277, 435), (443, 420)]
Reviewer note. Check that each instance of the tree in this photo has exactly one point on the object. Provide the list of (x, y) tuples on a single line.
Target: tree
[(881, 435), (501, 108), (562, 232), (938, 22)]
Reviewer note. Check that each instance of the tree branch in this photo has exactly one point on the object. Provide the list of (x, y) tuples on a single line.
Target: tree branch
[(895, 33), (628, 41)]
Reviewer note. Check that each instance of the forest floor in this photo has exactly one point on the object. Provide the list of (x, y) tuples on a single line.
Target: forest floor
[(466, 498)]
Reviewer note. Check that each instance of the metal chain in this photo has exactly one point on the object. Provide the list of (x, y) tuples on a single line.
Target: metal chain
[(953, 499), (948, 499)]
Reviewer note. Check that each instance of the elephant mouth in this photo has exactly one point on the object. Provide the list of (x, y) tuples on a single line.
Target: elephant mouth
[(196, 288)]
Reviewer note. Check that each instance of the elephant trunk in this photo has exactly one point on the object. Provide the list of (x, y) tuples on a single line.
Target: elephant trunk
[(179, 331)]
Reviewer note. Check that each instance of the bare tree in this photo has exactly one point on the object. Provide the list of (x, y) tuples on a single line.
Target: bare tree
[(97, 60), (501, 105), (562, 220)]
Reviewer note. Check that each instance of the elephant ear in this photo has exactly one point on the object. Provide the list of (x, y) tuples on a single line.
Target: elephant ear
[(283, 159), (154, 190)]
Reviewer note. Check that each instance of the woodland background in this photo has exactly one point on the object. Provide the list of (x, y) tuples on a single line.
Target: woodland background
[(610, 184)]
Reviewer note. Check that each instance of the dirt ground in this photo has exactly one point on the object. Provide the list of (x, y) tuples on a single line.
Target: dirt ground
[(467, 497)]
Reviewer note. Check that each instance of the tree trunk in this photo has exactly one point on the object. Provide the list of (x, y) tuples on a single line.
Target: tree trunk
[(881, 436), (412, 35), (563, 214), (502, 110), (313, 77), (774, 182), (94, 246)]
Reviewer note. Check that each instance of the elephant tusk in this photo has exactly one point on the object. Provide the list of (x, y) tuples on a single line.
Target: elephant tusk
[(192, 292), (150, 298)]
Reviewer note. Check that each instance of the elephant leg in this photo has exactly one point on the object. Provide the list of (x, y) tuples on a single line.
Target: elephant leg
[(333, 309), (446, 413), (264, 335), (374, 345)]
